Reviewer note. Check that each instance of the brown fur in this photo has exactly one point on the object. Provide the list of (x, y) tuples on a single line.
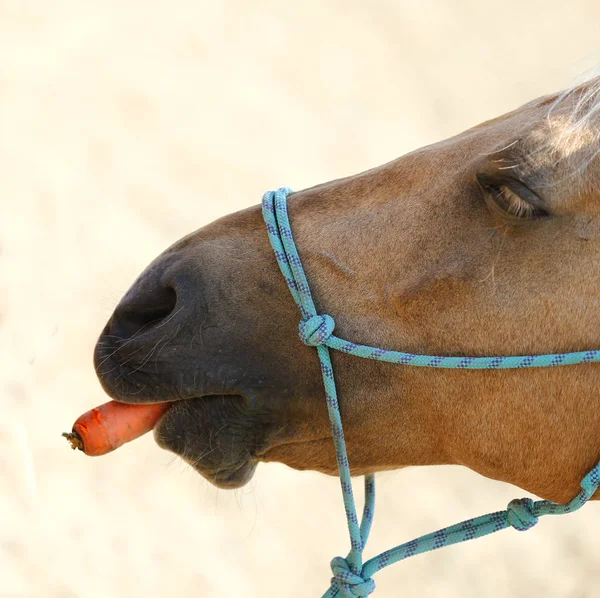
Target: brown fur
[(414, 256)]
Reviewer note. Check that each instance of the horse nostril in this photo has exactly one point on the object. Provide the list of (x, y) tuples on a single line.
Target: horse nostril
[(142, 312)]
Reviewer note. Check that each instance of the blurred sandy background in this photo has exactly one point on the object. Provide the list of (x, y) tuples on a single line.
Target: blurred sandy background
[(124, 125)]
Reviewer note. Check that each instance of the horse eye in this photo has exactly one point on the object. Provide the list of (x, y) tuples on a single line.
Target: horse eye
[(511, 203), (511, 198)]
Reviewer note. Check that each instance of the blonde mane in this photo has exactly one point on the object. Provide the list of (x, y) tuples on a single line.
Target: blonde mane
[(573, 120)]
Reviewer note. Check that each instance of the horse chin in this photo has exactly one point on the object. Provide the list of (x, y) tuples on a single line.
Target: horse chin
[(230, 479), (216, 435)]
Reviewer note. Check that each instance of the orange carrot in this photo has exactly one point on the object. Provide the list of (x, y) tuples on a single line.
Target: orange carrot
[(111, 425)]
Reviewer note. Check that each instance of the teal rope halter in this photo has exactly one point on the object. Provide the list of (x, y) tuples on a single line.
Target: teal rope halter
[(352, 578)]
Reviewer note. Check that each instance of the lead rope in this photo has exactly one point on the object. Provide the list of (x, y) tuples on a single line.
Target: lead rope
[(352, 578)]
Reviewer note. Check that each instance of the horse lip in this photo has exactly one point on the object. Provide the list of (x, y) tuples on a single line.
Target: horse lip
[(194, 420), (124, 380), (205, 433)]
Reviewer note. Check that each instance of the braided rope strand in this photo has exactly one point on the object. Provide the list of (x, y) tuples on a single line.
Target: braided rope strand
[(278, 226), (352, 578)]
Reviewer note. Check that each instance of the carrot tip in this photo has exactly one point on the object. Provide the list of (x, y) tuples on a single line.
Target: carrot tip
[(74, 439)]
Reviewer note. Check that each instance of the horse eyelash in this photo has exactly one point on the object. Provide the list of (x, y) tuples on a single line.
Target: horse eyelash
[(512, 204)]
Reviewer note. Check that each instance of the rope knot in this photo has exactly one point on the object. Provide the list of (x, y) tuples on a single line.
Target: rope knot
[(521, 514), (315, 331), (349, 584)]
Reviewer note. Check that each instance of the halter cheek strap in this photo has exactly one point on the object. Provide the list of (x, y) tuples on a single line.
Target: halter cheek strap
[(351, 577)]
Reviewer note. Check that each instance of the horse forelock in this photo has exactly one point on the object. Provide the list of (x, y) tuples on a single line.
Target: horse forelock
[(573, 119)]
